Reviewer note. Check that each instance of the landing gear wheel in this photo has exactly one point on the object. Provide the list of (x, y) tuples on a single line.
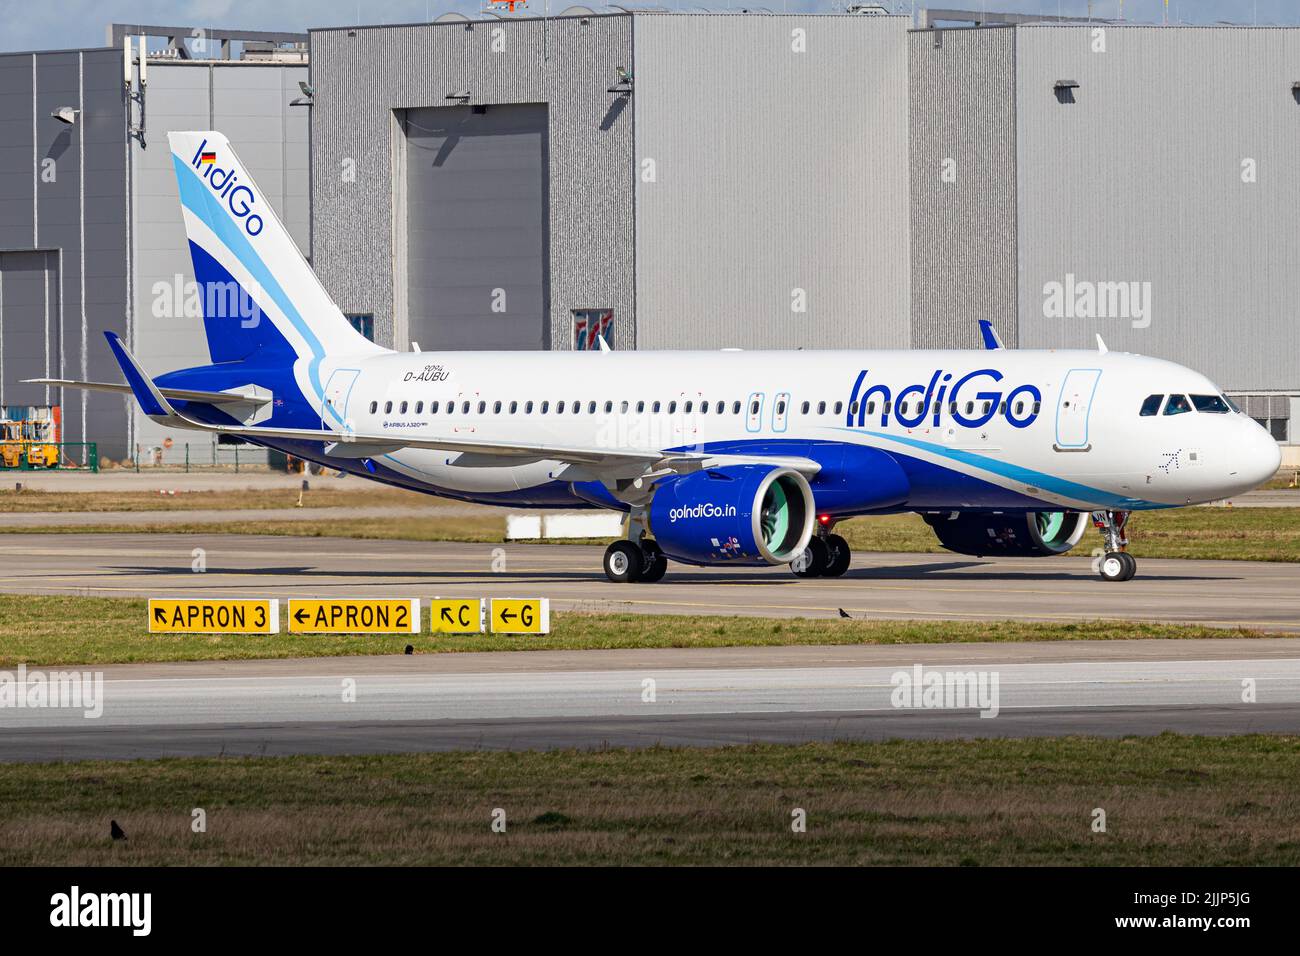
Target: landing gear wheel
[(814, 560), (840, 556), (1117, 566), (623, 562), (1132, 565), (655, 562)]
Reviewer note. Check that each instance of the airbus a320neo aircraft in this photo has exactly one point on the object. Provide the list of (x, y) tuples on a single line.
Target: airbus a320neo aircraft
[(730, 457)]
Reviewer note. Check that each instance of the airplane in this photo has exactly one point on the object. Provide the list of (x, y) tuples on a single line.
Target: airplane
[(716, 457)]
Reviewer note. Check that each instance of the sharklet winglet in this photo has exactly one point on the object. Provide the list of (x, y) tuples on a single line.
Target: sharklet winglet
[(152, 401)]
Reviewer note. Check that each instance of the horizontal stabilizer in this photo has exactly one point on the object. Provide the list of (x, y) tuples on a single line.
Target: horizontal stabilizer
[(179, 394)]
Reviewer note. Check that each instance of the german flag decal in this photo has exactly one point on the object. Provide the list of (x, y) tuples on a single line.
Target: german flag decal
[(207, 159)]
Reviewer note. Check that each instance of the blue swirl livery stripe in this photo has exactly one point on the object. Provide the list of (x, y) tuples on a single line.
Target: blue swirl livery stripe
[(199, 199), (1039, 479)]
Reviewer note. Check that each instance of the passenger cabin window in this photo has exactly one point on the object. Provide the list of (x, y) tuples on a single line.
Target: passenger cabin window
[(821, 408), (1210, 403), (433, 408), (559, 408), (655, 408), (735, 408), (388, 408), (496, 408), (374, 407), (464, 408), (803, 409), (1177, 404), (514, 407), (1151, 405), (482, 407), (546, 407), (402, 408), (528, 408)]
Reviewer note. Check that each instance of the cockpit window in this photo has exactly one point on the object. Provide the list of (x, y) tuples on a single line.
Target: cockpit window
[(1152, 405), (1233, 405), (1210, 403), (1177, 405)]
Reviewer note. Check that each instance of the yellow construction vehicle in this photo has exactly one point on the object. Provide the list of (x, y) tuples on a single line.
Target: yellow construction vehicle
[(30, 436)]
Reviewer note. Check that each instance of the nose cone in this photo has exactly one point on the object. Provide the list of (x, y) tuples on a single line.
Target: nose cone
[(1255, 458)]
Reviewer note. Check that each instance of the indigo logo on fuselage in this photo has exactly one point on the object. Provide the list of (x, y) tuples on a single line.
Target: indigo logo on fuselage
[(1020, 406), (239, 198)]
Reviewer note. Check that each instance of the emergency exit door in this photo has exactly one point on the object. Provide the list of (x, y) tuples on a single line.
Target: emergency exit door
[(1073, 408)]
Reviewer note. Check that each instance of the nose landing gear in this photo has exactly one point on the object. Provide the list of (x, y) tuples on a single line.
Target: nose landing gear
[(1117, 564)]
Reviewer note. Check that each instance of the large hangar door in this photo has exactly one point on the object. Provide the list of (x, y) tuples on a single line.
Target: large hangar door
[(29, 327), (477, 226)]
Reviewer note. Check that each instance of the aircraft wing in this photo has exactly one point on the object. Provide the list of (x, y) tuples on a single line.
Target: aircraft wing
[(179, 394), (350, 444)]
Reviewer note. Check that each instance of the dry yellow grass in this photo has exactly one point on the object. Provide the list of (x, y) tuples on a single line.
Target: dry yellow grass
[(1169, 800)]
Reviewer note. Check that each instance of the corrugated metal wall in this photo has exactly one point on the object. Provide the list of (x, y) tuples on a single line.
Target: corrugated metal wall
[(249, 103), (774, 171), (963, 176), (1140, 180), (63, 203), (568, 63)]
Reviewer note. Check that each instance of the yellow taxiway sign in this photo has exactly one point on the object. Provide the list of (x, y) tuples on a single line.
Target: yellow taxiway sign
[(348, 616), (520, 616), (456, 616), (212, 616)]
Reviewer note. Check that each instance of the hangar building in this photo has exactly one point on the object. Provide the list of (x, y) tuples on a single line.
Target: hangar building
[(1134, 181), (91, 236), (679, 180)]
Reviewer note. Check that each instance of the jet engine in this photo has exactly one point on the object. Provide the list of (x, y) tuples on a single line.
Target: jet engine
[(1032, 534), (738, 514)]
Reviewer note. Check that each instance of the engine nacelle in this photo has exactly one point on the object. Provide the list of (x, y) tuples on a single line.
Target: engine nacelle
[(740, 514), (1033, 534)]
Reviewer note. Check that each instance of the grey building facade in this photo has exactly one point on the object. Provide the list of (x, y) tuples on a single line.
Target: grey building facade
[(700, 180), (63, 221), (91, 235), (1133, 181)]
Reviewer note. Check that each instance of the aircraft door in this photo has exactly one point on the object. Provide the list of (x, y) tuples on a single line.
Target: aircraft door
[(754, 412), (1073, 407), (338, 391)]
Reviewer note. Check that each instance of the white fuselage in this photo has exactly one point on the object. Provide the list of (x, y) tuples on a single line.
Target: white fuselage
[(1060, 428)]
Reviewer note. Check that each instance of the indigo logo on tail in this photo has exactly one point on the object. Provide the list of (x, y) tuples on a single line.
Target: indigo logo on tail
[(239, 198)]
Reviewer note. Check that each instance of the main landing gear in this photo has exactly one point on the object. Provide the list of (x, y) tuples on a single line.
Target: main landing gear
[(827, 556), (627, 562), (1116, 564)]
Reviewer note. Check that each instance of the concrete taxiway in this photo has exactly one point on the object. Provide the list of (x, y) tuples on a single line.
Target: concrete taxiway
[(882, 586), (533, 700)]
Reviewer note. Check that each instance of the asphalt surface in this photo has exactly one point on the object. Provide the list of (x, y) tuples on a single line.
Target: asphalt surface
[(538, 700), (882, 586)]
